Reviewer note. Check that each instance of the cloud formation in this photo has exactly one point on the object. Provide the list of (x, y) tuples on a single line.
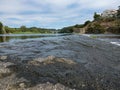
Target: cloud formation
[(51, 13)]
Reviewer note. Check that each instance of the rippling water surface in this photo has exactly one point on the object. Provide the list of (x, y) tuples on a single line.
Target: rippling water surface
[(19, 37), (111, 38)]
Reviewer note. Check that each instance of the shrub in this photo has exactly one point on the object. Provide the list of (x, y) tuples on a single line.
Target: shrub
[(96, 29), (114, 29)]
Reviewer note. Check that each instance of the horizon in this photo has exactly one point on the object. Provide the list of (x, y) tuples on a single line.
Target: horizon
[(51, 14)]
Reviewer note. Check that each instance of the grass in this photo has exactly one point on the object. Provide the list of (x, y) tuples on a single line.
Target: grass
[(93, 37)]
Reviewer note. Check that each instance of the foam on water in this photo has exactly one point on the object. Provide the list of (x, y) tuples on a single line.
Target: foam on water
[(116, 43), (107, 38)]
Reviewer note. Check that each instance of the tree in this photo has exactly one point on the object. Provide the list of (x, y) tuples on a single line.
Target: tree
[(67, 30), (96, 16), (23, 28), (114, 29), (78, 26), (1, 25), (86, 23), (118, 12), (2, 30), (9, 30)]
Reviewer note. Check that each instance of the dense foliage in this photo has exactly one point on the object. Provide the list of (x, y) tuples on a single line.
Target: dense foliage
[(97, 16), (66, 30), (118, 14), (70, 29), (115, 29), (96, 28)]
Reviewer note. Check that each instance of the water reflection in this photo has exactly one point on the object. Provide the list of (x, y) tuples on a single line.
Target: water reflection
[(2, 38)]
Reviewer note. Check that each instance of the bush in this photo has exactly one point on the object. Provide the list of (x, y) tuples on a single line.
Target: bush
[(66, 30), (115, 30), (96, 29), (96, 17), (86, 23)]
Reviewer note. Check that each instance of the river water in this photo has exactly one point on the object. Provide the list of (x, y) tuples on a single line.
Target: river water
[(19, 37), (111, 38)]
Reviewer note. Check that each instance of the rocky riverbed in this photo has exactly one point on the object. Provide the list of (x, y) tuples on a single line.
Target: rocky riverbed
[(72, 62)]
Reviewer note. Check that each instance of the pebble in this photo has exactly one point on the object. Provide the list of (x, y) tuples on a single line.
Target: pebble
[(3, 57), (22, 85)]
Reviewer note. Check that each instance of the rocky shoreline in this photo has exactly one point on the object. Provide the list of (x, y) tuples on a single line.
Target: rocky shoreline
[(72, 62)]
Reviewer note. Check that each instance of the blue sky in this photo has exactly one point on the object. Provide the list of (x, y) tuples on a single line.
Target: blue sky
[(51, 13)]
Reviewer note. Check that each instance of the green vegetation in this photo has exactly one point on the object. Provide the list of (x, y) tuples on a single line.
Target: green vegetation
[(25, 30), (95, 28), (96, 16), (118, 14), (66, 30), (93, 36), (86, 23), (2, 30), (70, 28), (116, 28)]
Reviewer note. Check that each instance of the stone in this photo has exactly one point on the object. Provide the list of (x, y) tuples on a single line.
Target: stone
[(4, 70), (22, 85), (3, 57)]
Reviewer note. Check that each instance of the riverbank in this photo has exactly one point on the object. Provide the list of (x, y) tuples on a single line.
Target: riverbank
[(72, 62)]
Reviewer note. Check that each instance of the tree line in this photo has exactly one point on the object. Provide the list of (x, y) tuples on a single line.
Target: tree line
[(23, 29)]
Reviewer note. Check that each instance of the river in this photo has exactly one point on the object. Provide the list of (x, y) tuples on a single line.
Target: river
[(111, 38), (20, 37), (73, 62)]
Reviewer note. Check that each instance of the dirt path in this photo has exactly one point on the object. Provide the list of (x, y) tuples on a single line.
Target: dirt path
[(64, 63)]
